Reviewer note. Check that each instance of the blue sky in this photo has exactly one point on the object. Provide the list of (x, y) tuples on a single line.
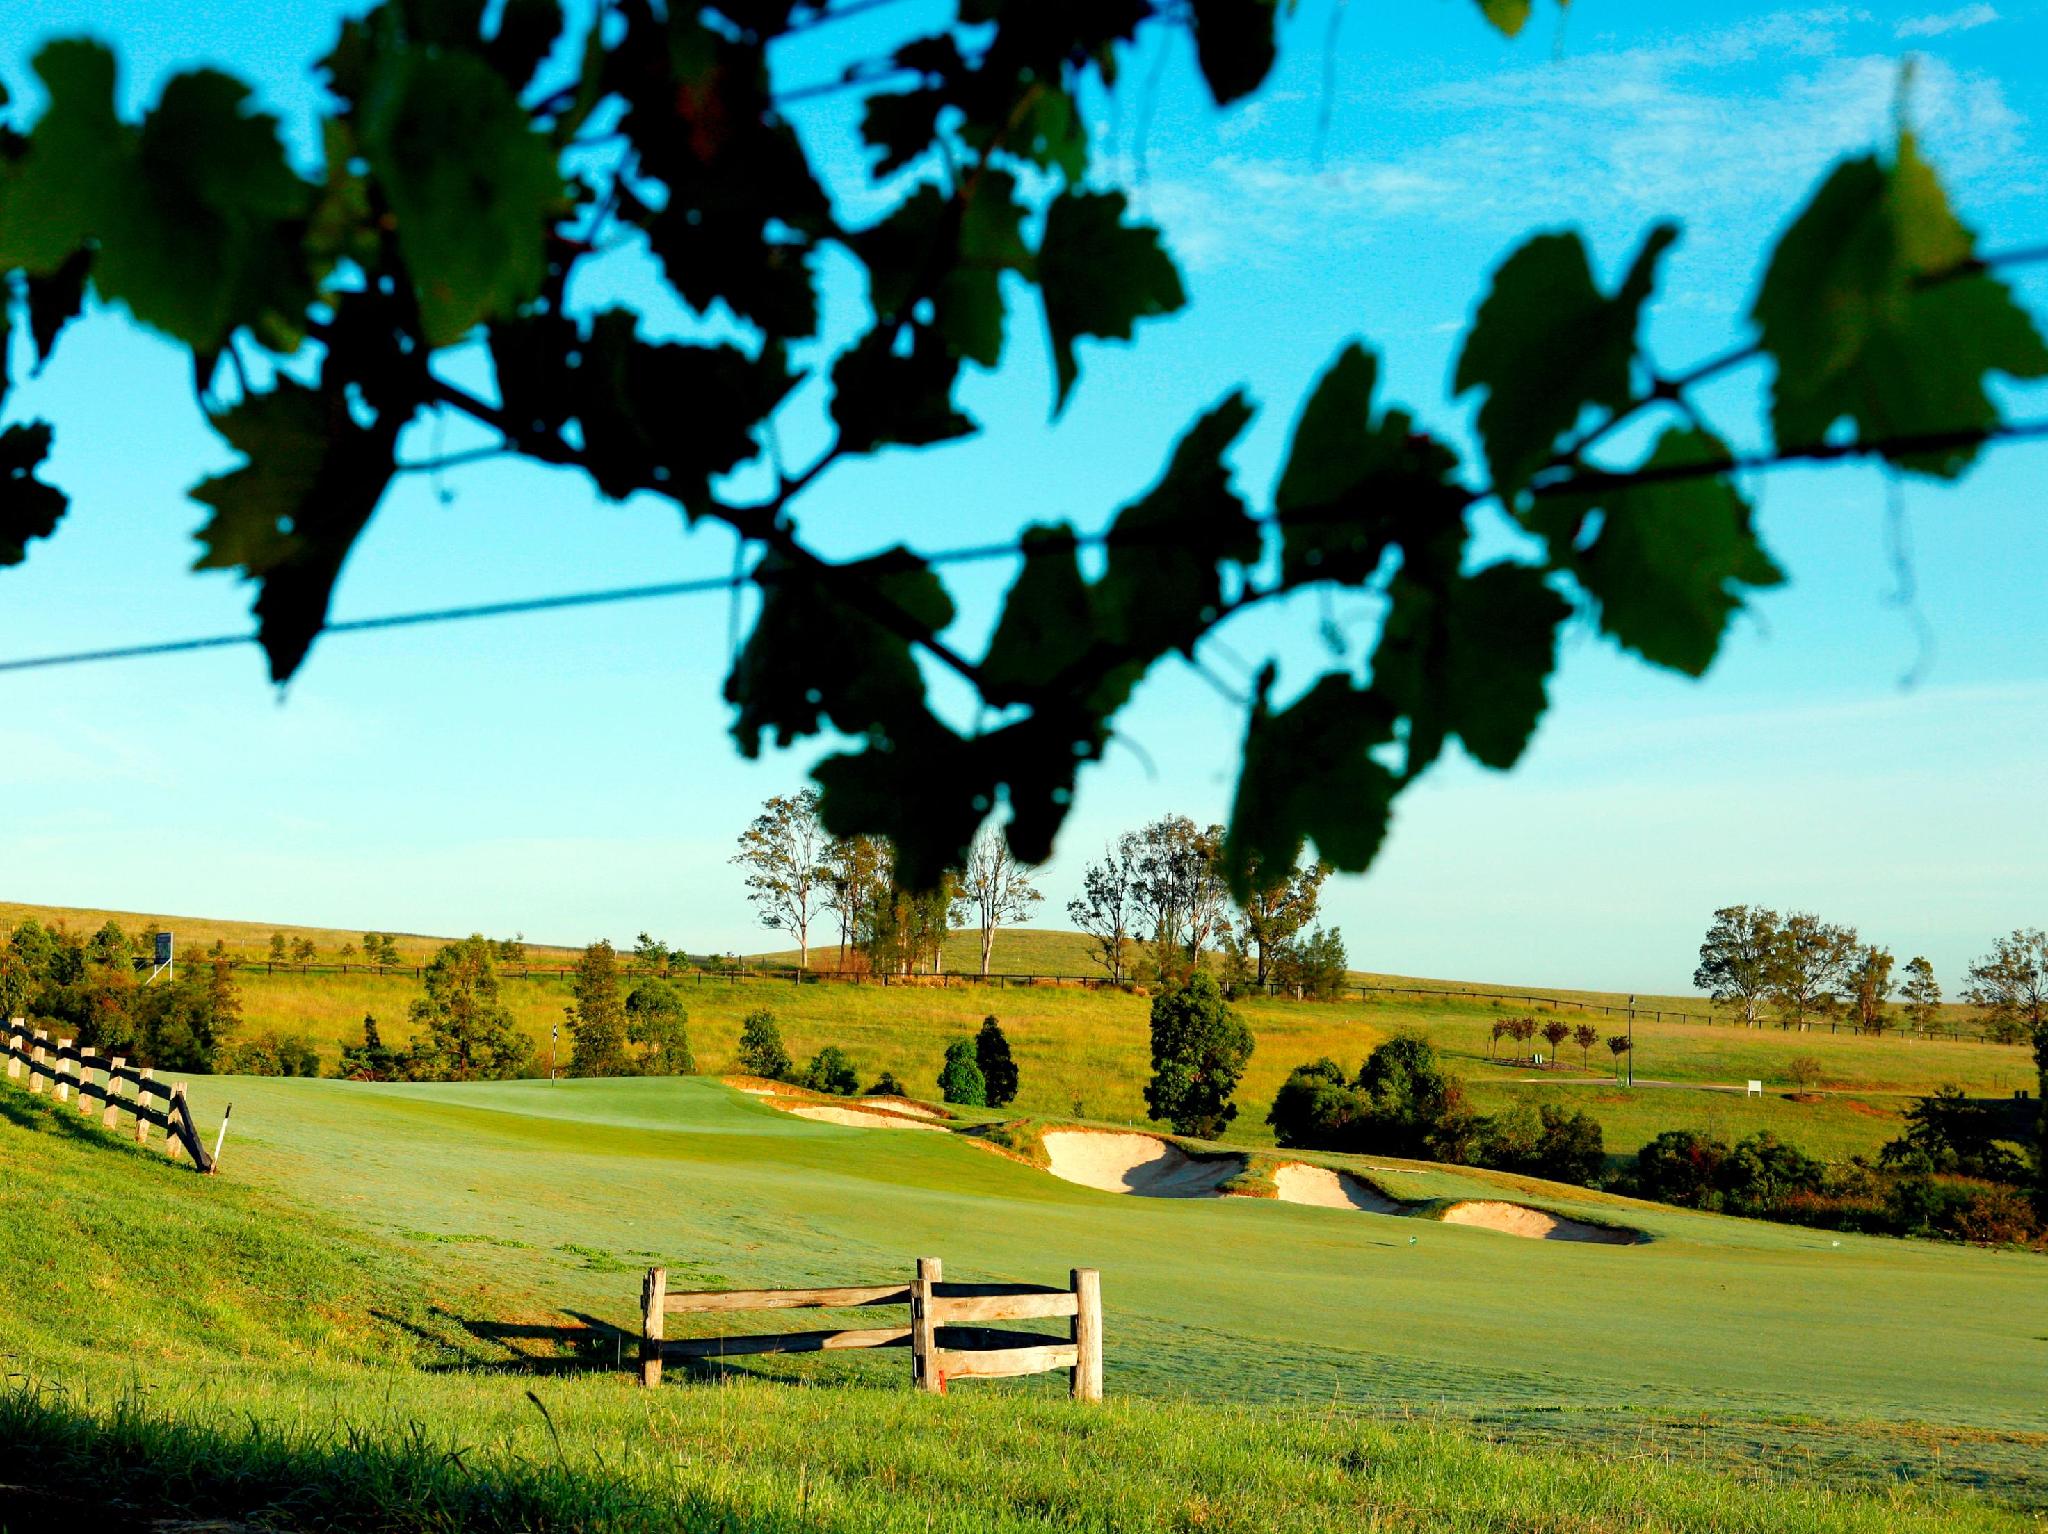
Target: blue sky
[(570, 775)]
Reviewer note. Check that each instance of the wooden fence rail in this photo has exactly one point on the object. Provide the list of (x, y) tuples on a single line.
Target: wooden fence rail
[(65, 1070), (942, 1344)]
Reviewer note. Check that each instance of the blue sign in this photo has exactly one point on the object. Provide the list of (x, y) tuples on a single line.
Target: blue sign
[(163, 948)]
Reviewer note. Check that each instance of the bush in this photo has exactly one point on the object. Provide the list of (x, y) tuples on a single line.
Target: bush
[(274, 1054), (1199, 1051), (1806, 1071), (657, 1022), (1680, 1167), (1413, 1106), (960, 1079), (1313, 966), (830, 1071), (761, 1051), (998, 1070), (1762, 1171), (1559, 1144), (886, 1085), (1953, 1134), (1315, 1108)]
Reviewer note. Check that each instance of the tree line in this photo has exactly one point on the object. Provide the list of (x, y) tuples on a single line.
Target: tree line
[(1156, 907), (1798, 969), (978, 1072)]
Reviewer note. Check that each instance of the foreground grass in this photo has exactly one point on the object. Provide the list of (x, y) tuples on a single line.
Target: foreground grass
[(257, 1353), (486, 1455)]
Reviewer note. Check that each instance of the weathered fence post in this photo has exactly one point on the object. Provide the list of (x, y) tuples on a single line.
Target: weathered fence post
[(86, 1055), (17, 1038), (142, 1103), (113, 1113), (174, 1143), (1086, 1379), (924, 1329), (653, 1299), (64, 1056)]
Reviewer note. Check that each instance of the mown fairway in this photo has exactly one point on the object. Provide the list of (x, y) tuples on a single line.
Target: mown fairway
[(1084, 1053), (294, 1322)]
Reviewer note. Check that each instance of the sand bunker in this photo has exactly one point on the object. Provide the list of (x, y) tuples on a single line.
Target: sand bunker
[(1300, 1183), (1135, 1163), (857, 1118), (899, 1105), (1520, 1220)]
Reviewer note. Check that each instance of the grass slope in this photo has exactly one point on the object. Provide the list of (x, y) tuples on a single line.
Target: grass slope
[(246, 939), (1086, 1054), (317, 1385)]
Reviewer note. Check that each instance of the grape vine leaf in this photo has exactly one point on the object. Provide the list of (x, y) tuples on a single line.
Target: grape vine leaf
[(1469, 656), (1099, 276), (1871, 313), (289, 516), (29, 508), (818, 655), (1354, 486), (57, 195), (471, 183), (1672, 557), (1309, 774), (1235, 45), (1547, 343)]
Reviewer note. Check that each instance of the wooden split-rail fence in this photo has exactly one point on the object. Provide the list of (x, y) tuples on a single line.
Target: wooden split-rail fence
[(65, 1070), (944, 1337)]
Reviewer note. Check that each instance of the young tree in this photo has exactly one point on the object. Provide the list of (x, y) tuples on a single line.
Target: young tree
[(960, 1078), (373, 948), (761, 1051), (1921, 993), (1276, 907), (1313, 965), (280, 952), (658, 1025), (109, 945), (511, 950), (387, 951), (371, 1060), (1739, 959), (1618, 1045), (998, 1069), (650, 953), (346, 952), (597, 1021), (462, 1031), (783, 852), (1555, 1032), (1870, 986), (1502, 1028), (1585, 1036), (1806, 1071), (1179, 894), (304, 951), (995, 889), (1812, 964), (832, 1073), (1199, 1051), (1524, 1030), (1106, 908)]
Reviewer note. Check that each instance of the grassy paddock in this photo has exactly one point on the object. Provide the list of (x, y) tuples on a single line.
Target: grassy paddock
[(1085, 1053)]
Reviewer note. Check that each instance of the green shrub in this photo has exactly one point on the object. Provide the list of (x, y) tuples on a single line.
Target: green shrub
[(960, 1079), (998, 1070), (1199, 1051), (1413, 1106), (1762, 1171), (886, 1085), (658, 1024), (1680, 1167), (831, 1072), (1314, 1108), (761, 1051)]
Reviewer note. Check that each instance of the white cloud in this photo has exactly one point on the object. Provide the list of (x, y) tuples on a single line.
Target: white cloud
[(1967, 19), (1727, 129)]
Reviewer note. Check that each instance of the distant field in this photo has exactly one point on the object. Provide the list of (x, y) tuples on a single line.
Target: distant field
[(1085, 1053), (246, 939)]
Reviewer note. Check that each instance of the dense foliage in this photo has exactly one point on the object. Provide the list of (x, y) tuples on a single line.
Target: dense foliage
[(998, 1069), (1199, 1051), (960, 1078), (102, 990), (761, 1048)]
